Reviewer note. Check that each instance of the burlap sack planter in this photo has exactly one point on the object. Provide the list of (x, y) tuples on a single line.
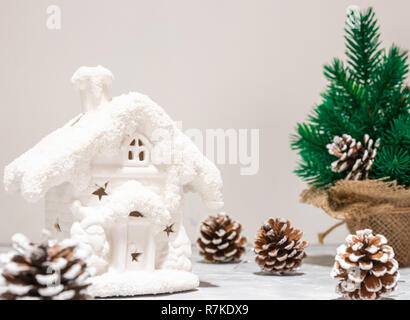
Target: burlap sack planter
[(381, 206)]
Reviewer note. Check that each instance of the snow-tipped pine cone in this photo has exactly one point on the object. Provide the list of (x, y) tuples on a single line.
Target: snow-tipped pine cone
[(365, 267), (47, 271), (220, 239), (353, 156), (278, 247)]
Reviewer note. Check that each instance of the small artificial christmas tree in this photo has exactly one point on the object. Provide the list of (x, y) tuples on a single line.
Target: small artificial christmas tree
[(355, 147), (366, 99)]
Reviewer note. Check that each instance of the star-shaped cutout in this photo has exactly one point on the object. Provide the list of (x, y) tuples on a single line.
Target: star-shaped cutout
[(169, 229), (135, 256), (57, 226), (100, 192)]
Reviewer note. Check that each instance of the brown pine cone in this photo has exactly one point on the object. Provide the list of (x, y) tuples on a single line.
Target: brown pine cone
[(278, 247), (365, 266), (220, 239), (46, 271), (353, 156)]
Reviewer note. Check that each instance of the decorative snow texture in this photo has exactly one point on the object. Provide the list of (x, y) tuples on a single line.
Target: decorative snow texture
[(133, 196), (89, 229), (23, 246), (85, 77), (179, 252), (91, 234), (51, 291), (93, 84), (66, 154), (138, 283), (4, 260)]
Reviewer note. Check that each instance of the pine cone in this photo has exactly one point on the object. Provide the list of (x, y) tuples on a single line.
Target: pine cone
[(46, 271), (353, 156), (365, 266), (220, 239), (278, 246)]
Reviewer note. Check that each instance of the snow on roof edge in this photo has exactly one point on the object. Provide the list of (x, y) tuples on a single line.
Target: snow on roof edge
[(65, 154)]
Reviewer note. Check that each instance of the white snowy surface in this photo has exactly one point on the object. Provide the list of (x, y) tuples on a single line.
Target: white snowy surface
[(245, 281)]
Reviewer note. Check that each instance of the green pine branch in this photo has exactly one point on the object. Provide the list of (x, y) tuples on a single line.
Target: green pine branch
[(393, 162), (398, 135), (362, 45)]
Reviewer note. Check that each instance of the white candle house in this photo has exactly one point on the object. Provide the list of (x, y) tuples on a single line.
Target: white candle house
[(113, 179)]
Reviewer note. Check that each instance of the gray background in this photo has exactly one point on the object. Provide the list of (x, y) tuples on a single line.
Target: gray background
[(209, 63)]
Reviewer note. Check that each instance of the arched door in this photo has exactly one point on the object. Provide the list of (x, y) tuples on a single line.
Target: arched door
[(133, 244)]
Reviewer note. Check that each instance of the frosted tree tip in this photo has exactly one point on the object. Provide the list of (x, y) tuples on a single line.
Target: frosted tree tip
[(353, 16), (353, 9)]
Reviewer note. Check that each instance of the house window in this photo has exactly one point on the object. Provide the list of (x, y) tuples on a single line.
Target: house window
[(138, 151)]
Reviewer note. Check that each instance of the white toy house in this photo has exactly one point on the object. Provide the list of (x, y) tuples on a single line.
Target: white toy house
[(113, 179)]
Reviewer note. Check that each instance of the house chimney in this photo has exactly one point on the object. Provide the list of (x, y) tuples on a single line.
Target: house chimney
[(94, 84)]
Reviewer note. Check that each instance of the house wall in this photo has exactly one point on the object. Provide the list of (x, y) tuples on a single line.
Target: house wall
[(212, 64), (58, 215)]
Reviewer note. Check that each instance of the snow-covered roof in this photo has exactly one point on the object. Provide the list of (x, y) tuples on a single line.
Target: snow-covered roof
[(66, 154)]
